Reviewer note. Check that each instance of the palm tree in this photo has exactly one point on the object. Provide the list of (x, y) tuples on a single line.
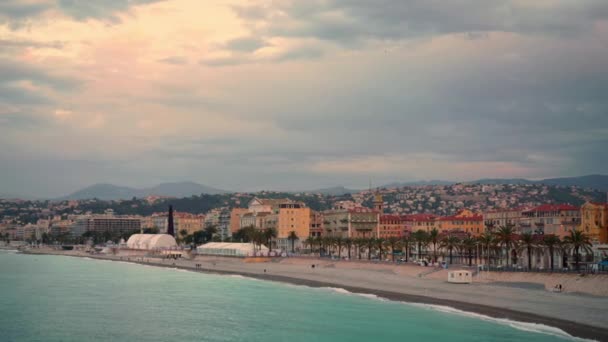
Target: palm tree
[(269, 234), (393, 242), (505, 236), (348, 242), (210, 231), (406, 241), (370, 245), (320, 242), (450, 242), (421, 237), (528, 244), (292, 237), (487, 241), (360, 243), (551, 242), (433, 238), (576, 241), (380, 245), (339, 241), (467, 245)]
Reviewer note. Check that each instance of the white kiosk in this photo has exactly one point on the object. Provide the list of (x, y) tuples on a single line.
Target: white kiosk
[(460, 277)]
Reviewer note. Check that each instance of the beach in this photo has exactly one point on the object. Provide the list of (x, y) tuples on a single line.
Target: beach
[(580, 311)]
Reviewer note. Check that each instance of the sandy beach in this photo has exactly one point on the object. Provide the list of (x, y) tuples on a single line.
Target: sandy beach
[(581, 310)]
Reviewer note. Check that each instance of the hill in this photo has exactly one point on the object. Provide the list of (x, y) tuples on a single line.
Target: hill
[(116, 192)]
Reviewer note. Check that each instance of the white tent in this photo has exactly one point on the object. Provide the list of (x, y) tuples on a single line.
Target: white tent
[(151, 241), (231, 249), (460, 277)]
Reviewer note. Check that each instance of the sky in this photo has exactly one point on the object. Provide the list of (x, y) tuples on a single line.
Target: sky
[(292, 94)]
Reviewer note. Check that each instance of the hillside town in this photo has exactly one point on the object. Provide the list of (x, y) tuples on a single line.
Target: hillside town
[(460, 209)]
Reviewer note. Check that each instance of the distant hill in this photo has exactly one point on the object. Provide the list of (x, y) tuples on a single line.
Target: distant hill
[(115, 192), (334, 191), (598, 182)]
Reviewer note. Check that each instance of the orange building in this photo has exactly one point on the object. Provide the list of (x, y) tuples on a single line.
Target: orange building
[(316, 224), (594, 221), (465, 221), (391, 226), (235, 218), (417, 222)]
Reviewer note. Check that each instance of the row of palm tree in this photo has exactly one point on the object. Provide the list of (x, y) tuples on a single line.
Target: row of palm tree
[(503, 243)]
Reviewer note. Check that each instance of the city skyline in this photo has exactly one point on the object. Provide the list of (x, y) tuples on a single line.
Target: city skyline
[(298, 95)]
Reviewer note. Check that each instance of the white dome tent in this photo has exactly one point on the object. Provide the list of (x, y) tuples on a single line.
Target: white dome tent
[(151, 241)]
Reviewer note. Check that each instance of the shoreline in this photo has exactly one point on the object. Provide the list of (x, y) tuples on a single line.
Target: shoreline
[(575, 329)]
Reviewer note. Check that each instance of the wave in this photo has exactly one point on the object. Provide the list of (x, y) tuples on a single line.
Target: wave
[(523, 326)]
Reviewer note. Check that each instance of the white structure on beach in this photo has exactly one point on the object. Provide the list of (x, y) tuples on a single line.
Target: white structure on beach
[(460, 277), (231, 249), (151, 241)]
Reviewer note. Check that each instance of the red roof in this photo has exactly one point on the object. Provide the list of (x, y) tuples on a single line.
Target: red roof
[(461, 218), (554, 207), (419, 217), (390, 218)]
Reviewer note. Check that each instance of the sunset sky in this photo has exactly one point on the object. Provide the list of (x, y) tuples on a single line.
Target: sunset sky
[(299, 94)]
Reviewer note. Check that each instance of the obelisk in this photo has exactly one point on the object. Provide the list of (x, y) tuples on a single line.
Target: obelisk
[(170, 229)]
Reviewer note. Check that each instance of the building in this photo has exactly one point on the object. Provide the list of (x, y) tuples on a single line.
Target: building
[(105, 223), (417, 222), (594, 221), (181, 221), (316, 224), (464, 221), (392, 226), (557, 219), (292, 217), (493, 219), (235, 219), (352, 223)]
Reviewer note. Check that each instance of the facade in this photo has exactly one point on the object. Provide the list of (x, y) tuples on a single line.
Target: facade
[(392, 226), (417, 222), (231, 249), (316, 224), (557, 219), (354, 223), (105, 223), (465, 221), (181, 221), (235, 219), (494, 219), (594, 221), (292, 216)]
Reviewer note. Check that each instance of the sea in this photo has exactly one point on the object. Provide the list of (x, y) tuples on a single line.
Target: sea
[(59, 298)]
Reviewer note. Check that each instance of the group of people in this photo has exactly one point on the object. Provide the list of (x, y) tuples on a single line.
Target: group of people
[(557, 288)]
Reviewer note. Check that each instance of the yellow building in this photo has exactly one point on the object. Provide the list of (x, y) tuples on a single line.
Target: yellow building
[(465, 221), (594, 221)]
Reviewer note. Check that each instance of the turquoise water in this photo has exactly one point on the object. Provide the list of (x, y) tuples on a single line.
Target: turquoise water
[(55, 298)]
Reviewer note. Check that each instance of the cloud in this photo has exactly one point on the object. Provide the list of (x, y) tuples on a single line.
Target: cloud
[(18, 11), (348, 21), (245, 44), (99, 9), (174, 60)]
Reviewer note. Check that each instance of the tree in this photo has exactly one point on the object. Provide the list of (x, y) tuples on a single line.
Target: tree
[(360, 243), (576, 241), (433, 238), (370, 245), (339, 241), (551, 242), (421, 237), (393, 242), (348, 242), (309, 242), (528, 243), (380, 245), (450, 243), (406, 241), (183, 233), (505, 236), (467, 245), (320, 240), (210, 231), (292, 237), (269, 234), (487, 241)]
